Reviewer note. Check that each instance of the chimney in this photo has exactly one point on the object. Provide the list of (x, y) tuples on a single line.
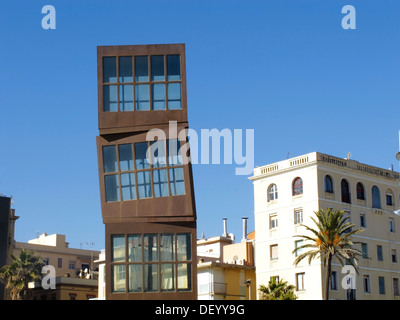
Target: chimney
[(244, 219), (225, 232)]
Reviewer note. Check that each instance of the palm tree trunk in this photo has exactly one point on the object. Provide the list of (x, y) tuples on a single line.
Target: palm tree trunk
[(328, 276)]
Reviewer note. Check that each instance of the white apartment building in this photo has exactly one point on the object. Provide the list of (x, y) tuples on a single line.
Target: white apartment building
[(287, 193)]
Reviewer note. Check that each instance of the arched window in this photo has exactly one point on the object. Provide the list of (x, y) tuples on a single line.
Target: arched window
[(328, 184), (297, 187), (345, 191), (376, 197), (360, 191), (272, 192)]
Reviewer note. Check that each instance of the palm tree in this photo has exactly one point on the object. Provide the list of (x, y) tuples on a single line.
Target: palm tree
[(332, 238), (25, 268), (280, 290)]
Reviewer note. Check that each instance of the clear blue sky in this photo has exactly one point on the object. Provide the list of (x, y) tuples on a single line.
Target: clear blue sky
[(286, 69)]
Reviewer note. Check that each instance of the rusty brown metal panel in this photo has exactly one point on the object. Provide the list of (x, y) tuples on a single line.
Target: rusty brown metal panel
[(171, 214)]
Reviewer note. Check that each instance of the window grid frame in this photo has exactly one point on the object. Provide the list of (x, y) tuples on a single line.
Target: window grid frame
[(126, 263), (298, 216), (297, 187), (149, 82), (272, 192), (150, 169)]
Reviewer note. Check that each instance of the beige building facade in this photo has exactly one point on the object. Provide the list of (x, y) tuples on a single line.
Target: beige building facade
[(55, 251), (287, 193), (76, 270)]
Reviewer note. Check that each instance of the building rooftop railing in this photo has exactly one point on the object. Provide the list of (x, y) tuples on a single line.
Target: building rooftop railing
[(315, 157)]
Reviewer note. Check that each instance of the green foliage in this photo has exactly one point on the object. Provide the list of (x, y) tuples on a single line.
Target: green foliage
[(280, 290), (25, 268), (331, 238)]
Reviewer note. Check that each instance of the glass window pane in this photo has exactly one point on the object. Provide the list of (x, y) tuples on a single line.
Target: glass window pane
[(376, 198), (173, 67), (158, 96), (160, 181), (128, 186), (177, 182), (184, 247), (174, 96), (157, 68), (141, 68), (379, 253), (167, 277), (151, 277), (109, 159), (135, 248), (118, 248), (125, 157), (297, 186), (141, 161), (144, 184), (389, 200), (135, 278), (364, 250), (274, 252), (142, 101), (109, 69), (360, 191), (110, 99), (345, 191), (150, 247), (125, 69), (184, 276), (118, 278), (158, 154), (174, 152), (381, 285), (167, 247), (298, 244), (126, 97), (112, 187)]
